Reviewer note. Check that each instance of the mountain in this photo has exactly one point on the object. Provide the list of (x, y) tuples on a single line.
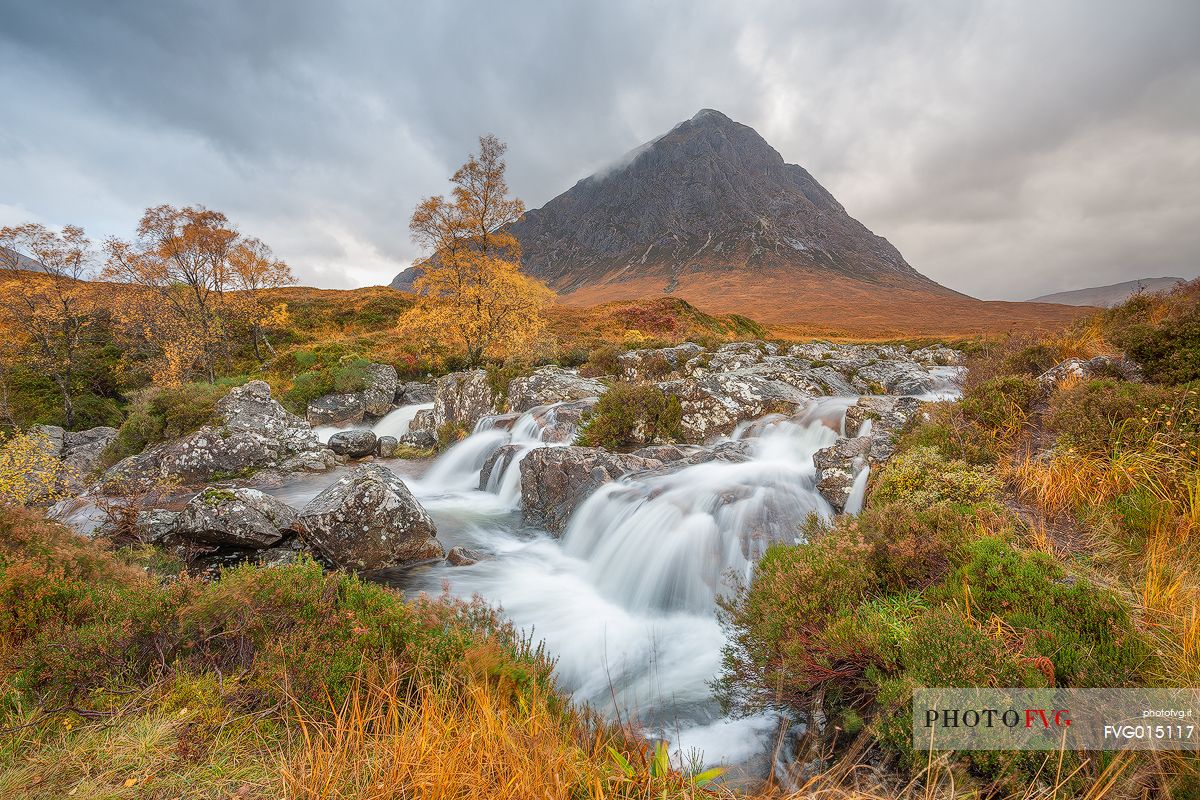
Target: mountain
[(11, 259), (1111, 295), (710, 213), (709, 196)]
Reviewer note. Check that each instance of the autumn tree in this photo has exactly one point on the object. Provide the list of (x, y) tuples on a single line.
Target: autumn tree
[(472, 294), (253, 267), (47, 311), (189, 262)]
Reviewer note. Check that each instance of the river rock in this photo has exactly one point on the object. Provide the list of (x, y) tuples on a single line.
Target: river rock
[(253, 432), (385, 446), (658, 364), (713, 404), (555, 480), (560, 423), (369, 520), (463, 556), (414, 392), (462, 398), (150, 526), (500, 459), (381, 389), (239, 517), (550, 385), (837, 467), (336, 409), (356, 443)]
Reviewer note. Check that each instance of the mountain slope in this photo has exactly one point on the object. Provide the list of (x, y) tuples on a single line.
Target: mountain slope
[(709, 196), (1111, 295)]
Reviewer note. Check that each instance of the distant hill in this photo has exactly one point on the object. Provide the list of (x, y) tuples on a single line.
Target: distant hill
[(1108, 296)]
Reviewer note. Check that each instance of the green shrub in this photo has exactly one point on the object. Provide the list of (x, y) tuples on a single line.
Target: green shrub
[(346, 375), (633, 415), (1084, 630), (1095, 416), (923, 477), (499, 376), (450, 433), (602, 361), (952, 434), (1031, 360), (1000, 403), (167, 412), (1161, 334)]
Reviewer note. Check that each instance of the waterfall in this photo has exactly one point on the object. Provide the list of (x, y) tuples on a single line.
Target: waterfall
[(395, 423)]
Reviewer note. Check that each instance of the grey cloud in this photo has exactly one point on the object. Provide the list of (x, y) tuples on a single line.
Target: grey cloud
[(1007, 149)]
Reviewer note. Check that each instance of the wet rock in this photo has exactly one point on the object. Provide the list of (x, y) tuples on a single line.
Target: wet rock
[(837, 467), (555, 480), (498, 422), (463, 556), (281, 555), (561, 423), (551, 385), (385, 446), (462, 398), (336, 409), (419, 440), (729, 452), (414, 392), (500, 459), (357, 443), (667, 453), (240, 517), (369, 520)]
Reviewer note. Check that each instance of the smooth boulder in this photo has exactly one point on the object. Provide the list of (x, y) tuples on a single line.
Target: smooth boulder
[(356, 443), (240, 517), (369, 520)]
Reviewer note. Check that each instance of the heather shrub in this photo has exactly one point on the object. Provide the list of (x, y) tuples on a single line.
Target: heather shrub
[(633, 415), (1096, 416), (602, 361), (1161, 333), (948, 431), (923, 477), (320, 375), (1000, 403)]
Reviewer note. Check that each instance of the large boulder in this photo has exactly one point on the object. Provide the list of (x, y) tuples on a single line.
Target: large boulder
[(713, 404), (551, 385), (243, 517), (82, 450), (496, 463), (253, 432), (336, 409), (369, 520), (356, 443), (414, 392), (837, 467), (555, 480), (381, 389), (462, 398), (658, 364)]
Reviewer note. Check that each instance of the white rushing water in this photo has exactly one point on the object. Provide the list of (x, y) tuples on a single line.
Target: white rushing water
[(625, 601), (395, 423)]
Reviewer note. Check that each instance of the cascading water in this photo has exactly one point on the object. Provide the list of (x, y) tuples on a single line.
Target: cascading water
[(625, 602), (395, 423)]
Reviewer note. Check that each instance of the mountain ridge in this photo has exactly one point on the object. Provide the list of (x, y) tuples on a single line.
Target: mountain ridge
[(1110, 294)]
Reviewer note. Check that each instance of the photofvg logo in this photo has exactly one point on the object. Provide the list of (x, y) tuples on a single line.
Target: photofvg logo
[(1049, 719)]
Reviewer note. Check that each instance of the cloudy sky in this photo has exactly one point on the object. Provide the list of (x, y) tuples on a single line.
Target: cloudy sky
[(1007, 148)]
